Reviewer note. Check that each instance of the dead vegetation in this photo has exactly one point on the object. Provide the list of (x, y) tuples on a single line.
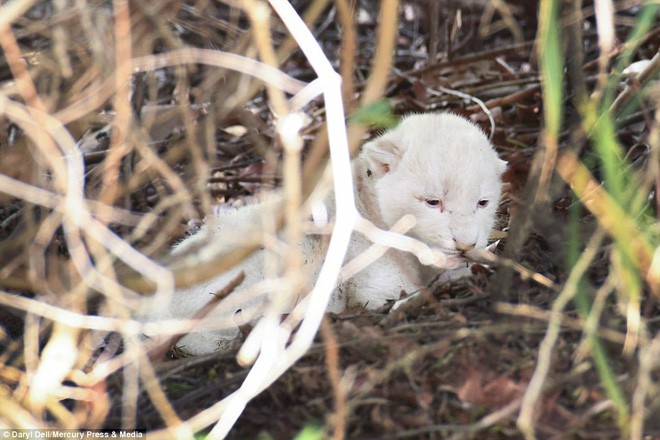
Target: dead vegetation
[(126, 123)]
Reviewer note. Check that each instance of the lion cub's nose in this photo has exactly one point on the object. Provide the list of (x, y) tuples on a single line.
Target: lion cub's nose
[(463, 247)]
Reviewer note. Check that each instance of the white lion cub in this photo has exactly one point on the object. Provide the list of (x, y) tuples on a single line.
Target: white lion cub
[(438, 167)]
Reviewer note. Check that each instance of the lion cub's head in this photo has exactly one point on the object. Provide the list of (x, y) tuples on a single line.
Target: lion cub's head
[(442, 169)]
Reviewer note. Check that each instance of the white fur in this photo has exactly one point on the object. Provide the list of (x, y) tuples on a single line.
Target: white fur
[(438, 167)]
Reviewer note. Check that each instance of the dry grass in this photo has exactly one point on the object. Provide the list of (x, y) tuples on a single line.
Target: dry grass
[(126, 123)]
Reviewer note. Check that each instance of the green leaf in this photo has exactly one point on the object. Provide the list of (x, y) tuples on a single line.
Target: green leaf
[(310, 432), (551, 64), (377, 114)]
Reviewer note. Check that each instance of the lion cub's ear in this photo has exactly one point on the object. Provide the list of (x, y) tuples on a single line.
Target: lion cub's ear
[(383, 155), (501, 166)]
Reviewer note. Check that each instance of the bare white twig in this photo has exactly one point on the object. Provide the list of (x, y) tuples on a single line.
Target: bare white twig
[(534, 390), (649, 356), (225, 60), (77, 215), (12, 10), (275, 357)]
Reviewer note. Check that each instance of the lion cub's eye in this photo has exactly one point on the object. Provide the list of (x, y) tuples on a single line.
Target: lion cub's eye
[(435, 203), (483, 203)]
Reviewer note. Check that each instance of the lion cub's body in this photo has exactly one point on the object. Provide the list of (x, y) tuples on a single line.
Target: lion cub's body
[(438, 167)]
